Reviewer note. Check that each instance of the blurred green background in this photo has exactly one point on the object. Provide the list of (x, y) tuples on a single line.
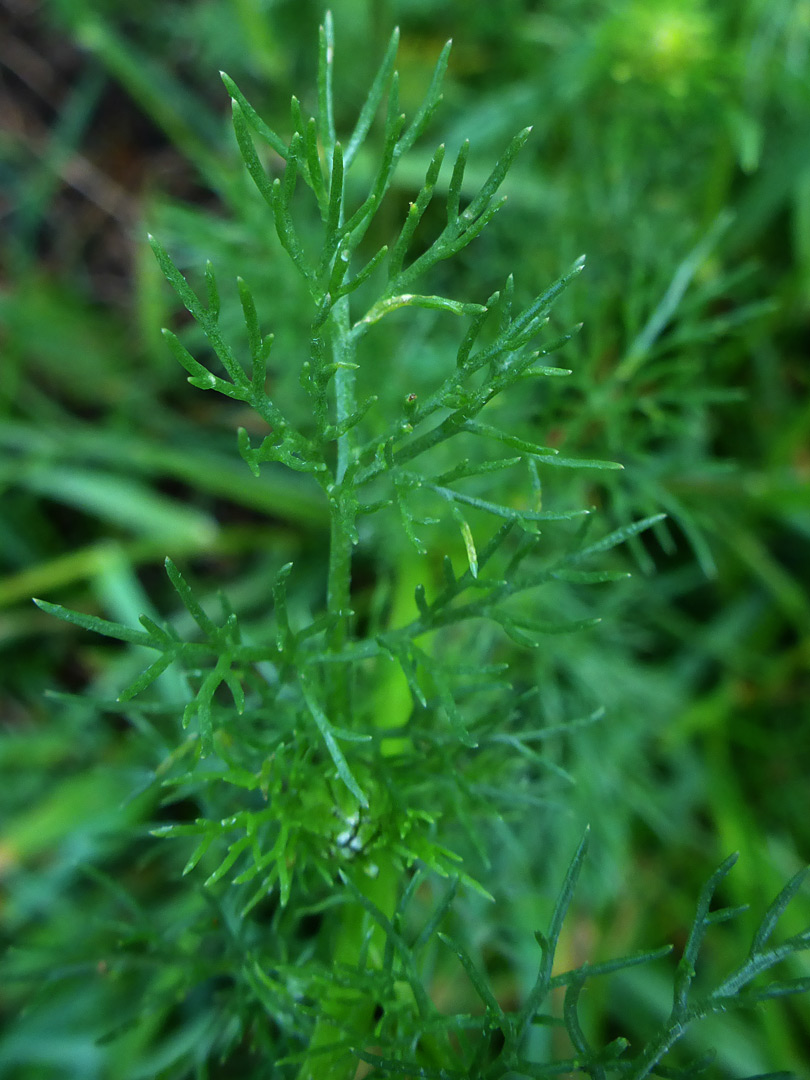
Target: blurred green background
[(670, 145)]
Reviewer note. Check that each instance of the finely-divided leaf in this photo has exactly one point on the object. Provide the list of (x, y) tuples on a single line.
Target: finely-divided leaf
[(190, 299), (493, 182), (523, 631), (469, 542), (613, 539), (402, 489), (733, 992), (292, 450), (202, 703), (373, 99), (687, 965), (191, 603), (776, 910), (660, 317), (509, 512), (438, 303), (147, 677), (253, 118), (326, 108), (429, 104), (610, 967), (329, 735), (98, 625), (247, 149), (577, 463), (589, 577), (548, 941), (491, 1004), (415, 213)]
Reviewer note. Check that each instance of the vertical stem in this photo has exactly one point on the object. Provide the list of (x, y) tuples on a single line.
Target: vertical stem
[(338, 590), (338, 597), (340, 1010), (343, 353), (350, 930)]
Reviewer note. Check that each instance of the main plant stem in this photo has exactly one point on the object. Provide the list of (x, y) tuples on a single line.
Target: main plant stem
[(349, 940), (338, 588), (345, 404)]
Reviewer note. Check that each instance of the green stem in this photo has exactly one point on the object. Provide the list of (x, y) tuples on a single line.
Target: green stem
[(338, 589), (339, 1010), (338, 598), (351, 934), (343, 354)]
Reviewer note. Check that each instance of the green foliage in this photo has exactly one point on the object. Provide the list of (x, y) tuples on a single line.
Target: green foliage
[(354, 752), (307, 798), (320, 682)]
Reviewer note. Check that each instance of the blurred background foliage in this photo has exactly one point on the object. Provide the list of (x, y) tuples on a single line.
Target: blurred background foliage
[(670, 144)]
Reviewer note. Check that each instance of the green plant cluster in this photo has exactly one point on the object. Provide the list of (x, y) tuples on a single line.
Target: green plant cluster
[(352, 779), (322, 674), (309, 799)]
